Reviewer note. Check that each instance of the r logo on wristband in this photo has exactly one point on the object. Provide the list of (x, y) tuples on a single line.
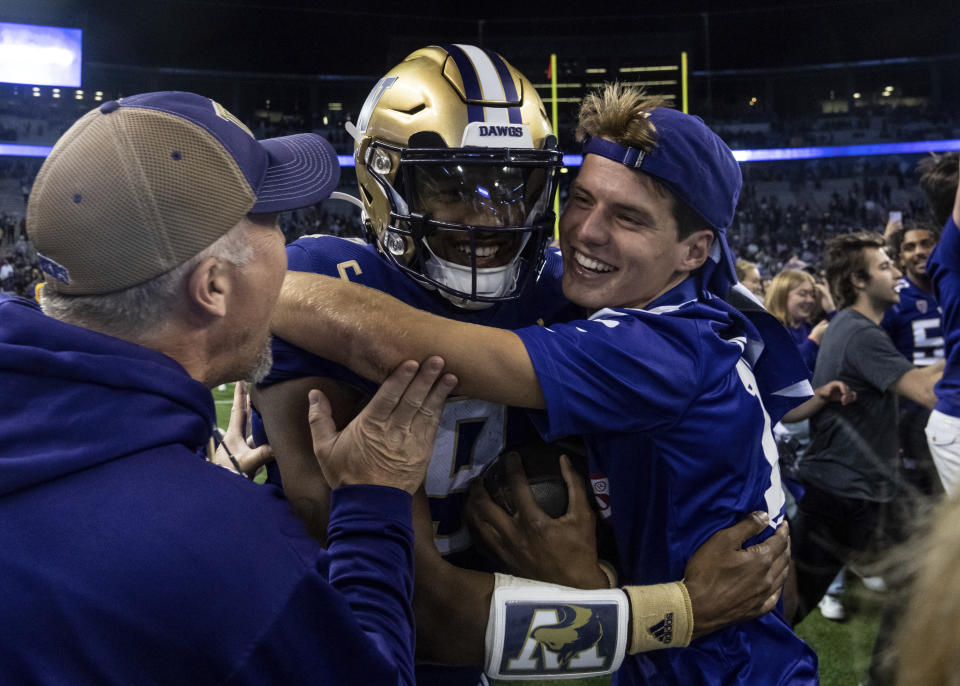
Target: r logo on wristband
[(542, 631)]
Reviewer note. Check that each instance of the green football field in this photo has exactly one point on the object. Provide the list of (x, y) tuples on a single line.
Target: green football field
[(844, 648), (223, 399)]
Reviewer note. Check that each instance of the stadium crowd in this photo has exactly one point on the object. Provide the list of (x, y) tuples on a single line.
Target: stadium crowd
[(843, 253), (785, 212)]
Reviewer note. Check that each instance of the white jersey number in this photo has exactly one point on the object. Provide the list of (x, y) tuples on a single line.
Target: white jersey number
[(773, 496)]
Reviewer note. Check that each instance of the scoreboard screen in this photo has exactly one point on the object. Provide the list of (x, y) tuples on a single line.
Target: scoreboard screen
[(40, 55)]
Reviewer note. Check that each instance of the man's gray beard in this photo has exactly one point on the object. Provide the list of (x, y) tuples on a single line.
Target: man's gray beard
[(263, 364)]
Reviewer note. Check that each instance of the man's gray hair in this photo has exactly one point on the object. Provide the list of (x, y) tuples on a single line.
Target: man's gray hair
[(136, 313)]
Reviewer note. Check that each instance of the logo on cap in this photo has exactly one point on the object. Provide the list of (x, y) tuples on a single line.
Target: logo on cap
[(224, 114), (53, 268)]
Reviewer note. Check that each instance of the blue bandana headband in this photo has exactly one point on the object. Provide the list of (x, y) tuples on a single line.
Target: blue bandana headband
[(698, 168)]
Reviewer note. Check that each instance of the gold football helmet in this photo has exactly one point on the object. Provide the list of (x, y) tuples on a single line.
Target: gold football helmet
[(457, 166)]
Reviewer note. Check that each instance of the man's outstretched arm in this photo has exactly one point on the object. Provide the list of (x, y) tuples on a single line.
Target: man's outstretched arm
[(371, 333)]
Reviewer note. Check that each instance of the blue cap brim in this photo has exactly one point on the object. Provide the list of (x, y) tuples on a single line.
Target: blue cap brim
[(302, 171)]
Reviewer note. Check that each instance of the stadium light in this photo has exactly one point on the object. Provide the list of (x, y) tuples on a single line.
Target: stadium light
[(752, 155), (19, 150), (40, 55), (36, 54), (911, 148)]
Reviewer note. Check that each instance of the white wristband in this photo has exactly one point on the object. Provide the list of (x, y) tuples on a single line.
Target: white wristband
[(545, 631)]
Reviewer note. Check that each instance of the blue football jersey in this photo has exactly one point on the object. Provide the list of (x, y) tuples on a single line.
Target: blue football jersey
[(945, 277), (472, 432), (914, 324), (681, 446)]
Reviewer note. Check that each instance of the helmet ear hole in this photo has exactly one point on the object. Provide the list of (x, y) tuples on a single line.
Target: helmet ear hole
[(367, 196)]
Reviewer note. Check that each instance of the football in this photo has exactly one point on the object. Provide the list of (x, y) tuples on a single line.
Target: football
[(541, 462)]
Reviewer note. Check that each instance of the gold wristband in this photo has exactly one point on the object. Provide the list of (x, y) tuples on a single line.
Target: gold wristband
[(661, 616)]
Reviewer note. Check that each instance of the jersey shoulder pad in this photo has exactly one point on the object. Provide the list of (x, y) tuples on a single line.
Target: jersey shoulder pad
[(332, 256)]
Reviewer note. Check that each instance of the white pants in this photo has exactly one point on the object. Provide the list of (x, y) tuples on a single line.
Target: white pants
[(943, 436)]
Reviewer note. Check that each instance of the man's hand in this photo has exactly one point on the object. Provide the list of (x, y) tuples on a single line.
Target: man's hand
[(389, 443), (826, 300), (530, 542), (892, 227), (728, 584), (236, 451), (835, 392), (831, 392)]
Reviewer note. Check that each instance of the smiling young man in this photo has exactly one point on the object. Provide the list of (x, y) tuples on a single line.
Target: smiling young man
[(668, 384), (850, 470), (914, 321), (914, 326)]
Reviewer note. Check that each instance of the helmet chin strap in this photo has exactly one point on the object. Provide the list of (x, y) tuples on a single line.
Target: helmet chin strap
[(492, 282), (346, 197)]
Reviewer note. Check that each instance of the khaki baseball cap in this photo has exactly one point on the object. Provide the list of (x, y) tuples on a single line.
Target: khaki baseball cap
[(140, 185)]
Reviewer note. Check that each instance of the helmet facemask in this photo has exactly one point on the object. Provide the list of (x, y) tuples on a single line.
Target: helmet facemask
[(471, 222)]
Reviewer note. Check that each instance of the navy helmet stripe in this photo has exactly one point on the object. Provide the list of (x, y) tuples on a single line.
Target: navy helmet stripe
[(509, 88), (475, 113), (471, 83)]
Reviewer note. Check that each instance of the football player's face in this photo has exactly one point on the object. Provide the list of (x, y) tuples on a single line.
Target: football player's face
[(914, 251), (618, 237), (801, 301), (474, 198)]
